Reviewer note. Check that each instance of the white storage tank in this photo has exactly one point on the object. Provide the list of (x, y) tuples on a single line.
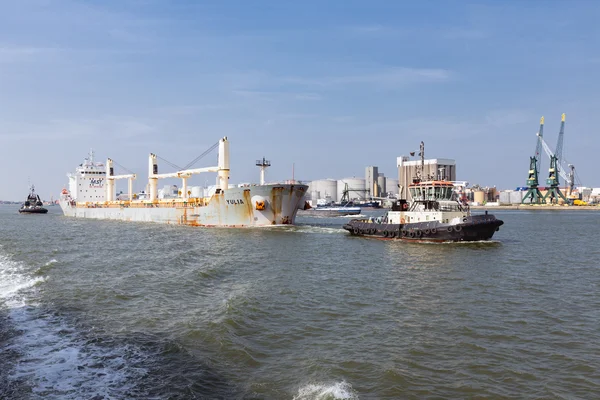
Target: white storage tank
[(505, 197), (391, 186), (516, 197), (356, 187), (323, 188), (196, 191)]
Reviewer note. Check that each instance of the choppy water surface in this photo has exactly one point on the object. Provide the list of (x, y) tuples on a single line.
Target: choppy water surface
[(117, 310)]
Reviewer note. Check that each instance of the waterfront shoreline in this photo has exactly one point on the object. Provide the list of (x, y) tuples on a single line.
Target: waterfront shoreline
[(529, 207)]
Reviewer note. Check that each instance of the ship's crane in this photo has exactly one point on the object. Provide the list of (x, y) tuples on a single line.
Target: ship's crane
[(111, 177), (222, 170), (533, 193)]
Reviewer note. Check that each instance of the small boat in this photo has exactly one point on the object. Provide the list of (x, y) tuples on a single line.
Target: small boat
[(333, 210), (33, 204), (435, 214)]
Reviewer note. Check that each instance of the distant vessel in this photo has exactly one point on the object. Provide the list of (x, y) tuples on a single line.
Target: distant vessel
[(434, 215), (91, 194), (33, 204), (334, 210)]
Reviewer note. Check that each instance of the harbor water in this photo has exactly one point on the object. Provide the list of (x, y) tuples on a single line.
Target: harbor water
[(95, 309)]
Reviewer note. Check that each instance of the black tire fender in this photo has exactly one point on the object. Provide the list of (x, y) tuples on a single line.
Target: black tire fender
[(458, 228), (355, 230)]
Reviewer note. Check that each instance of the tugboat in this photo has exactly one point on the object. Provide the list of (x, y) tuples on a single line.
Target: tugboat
[(33, 204), (434, 215)]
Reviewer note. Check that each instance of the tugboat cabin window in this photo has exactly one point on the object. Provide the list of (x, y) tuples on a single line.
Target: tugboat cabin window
[(437, 190)]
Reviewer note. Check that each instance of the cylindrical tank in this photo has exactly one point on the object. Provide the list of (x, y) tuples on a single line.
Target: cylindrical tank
[(196, 191), (391, 186), (323, 188), (381, 184), (479, 196), (356, 188), (505, 197), (516, 197)]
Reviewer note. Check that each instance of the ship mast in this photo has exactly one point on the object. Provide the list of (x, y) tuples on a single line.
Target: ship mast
[(263, 164), (422, 154)]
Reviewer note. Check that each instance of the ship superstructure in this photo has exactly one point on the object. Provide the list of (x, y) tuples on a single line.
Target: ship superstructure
[(86, 184), (91, 194)]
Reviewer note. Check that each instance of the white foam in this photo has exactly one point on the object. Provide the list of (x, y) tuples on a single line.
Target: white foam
[(55, 360), (320, 391), (13, 281)]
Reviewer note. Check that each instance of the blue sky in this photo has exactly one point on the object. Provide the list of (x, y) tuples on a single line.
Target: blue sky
[(330, 87)]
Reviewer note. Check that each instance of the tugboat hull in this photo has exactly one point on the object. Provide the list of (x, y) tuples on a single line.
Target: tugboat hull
[(473, 228), (37, 210)]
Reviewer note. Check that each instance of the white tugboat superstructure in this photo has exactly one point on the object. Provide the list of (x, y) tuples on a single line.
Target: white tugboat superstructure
[(91, 194)]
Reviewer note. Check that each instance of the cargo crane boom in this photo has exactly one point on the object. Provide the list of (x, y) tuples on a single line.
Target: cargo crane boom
[(550, 154), (556, 168)]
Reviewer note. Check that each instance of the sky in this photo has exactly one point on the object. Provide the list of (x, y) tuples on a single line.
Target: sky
[(320, 88)]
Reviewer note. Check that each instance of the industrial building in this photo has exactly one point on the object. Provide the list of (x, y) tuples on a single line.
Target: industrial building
[(371, 183), (438, 168)]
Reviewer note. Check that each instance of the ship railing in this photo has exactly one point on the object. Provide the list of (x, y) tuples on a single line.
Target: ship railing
[(175, 203)]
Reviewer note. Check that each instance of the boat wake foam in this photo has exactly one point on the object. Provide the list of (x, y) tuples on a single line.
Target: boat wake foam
[(53, 359), (320, 391)]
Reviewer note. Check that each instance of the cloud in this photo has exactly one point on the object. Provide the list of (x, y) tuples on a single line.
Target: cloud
[(11, 54), (384, 77), (116, 127), (277, 95), (190, 109)]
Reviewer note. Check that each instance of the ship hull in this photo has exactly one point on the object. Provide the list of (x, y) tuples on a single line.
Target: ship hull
[(36, 210), (475, 228), (237, 207)]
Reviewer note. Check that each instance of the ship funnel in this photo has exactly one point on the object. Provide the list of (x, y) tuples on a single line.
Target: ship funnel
[(223, 172)]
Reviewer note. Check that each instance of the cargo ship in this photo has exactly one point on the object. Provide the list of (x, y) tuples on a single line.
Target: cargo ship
[(91, 194)]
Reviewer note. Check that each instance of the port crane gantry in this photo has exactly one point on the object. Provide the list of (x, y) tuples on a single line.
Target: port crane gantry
[(533, 193), (557, 168), (554, 192)]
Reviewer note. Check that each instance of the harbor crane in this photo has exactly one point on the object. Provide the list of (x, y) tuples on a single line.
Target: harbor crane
[(346, 193), (557, 168), (533, 193)]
